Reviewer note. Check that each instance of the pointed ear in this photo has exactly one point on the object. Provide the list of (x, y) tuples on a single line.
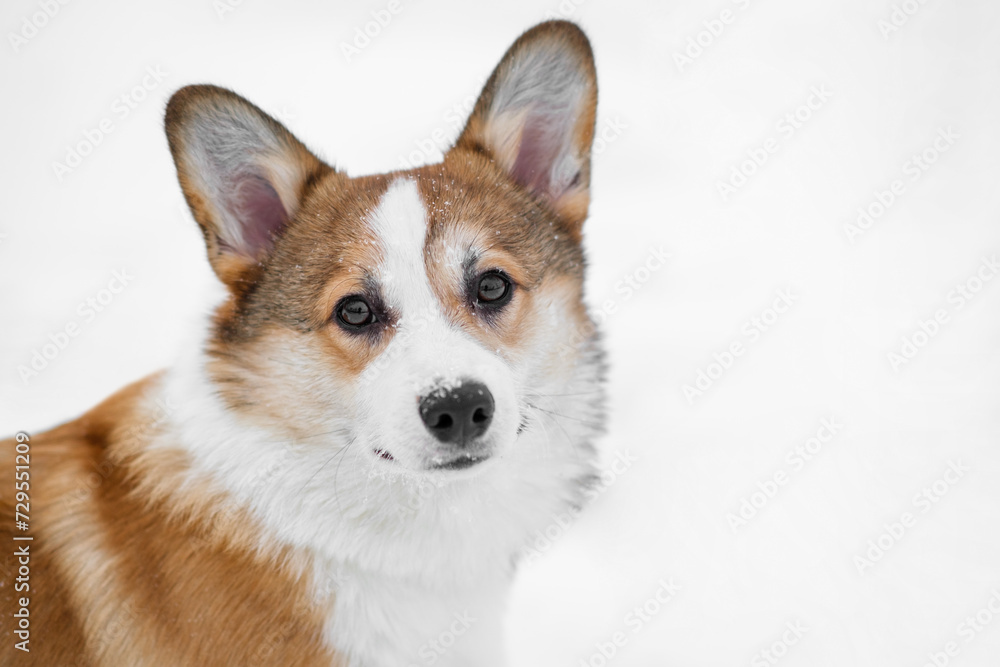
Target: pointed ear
[(536, 115), (243, 174)]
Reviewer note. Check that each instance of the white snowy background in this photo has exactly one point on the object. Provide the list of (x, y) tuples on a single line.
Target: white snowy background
[(894, 76)]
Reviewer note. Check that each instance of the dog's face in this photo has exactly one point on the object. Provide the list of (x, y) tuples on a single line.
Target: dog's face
[(425, 322)]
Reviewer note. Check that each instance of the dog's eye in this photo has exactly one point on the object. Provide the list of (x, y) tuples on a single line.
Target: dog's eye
[(494, 289), (355, 312)]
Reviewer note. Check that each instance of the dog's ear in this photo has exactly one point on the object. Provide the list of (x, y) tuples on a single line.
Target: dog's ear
[(243, 174), (535, 117)]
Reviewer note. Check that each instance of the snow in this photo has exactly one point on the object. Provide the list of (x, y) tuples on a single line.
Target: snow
[(668, 136)]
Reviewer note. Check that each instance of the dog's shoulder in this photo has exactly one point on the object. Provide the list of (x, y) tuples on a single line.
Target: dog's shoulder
[(72, 459), (45, 480), (129, 551)]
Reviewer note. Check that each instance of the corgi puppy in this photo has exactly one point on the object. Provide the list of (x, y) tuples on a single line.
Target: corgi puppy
[(401, 387)]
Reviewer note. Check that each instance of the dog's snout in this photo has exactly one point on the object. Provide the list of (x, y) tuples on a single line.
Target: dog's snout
[(458, 414)]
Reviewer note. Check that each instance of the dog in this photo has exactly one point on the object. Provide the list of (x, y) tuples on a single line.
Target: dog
[(400, 388)]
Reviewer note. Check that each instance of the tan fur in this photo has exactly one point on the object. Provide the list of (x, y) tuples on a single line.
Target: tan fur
[(127, 568)]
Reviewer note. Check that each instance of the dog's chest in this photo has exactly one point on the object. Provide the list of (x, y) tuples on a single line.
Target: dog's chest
[(379, 621)]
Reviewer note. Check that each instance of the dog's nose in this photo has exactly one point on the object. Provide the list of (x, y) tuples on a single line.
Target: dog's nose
[(458, 414)]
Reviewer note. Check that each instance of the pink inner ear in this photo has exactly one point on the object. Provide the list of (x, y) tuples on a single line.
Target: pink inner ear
[(259, 212), (542, 142)]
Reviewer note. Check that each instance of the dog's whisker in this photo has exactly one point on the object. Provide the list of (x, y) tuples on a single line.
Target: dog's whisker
[(582, 393), (336, 473), (342, 430), (318, 471), (553, 413)]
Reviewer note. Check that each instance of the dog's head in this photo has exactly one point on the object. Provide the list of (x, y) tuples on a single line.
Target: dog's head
[(428, 321)]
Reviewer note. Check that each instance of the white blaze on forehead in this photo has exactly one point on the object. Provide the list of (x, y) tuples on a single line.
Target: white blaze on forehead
[(400, 223)]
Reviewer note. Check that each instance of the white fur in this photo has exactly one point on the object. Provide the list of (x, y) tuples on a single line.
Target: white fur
[(399, 552), (427, 350)]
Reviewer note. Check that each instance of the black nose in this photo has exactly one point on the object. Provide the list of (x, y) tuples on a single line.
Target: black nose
[(458, 415)]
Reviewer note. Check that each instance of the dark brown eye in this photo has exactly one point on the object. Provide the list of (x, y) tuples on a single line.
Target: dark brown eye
[(494, 289), (355, 312)]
